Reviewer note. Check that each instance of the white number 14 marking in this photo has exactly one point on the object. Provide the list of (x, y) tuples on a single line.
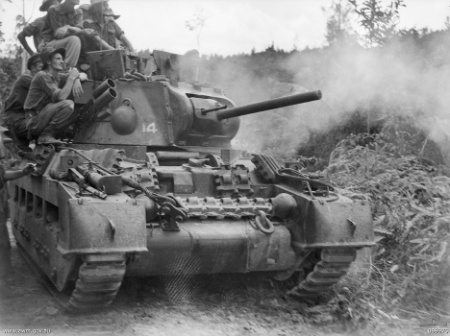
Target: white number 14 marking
[(150, 128)]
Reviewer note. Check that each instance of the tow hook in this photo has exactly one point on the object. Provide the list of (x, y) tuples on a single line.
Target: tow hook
[(263, 223)]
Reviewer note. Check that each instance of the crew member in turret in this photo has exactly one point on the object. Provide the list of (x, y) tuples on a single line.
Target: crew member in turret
[(35, 28), (103, 22), (48, 107), (14, 115)]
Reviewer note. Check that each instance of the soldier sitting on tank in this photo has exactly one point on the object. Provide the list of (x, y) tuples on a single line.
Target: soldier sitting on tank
[(102, 21), (35, 28), (109, 18), (64, 29), (47, 106), (62, 25), (14, 114)]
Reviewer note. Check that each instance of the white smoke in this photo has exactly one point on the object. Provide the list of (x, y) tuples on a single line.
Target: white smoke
[(409, 76)]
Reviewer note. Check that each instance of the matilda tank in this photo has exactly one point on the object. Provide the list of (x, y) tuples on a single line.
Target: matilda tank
[(149, 185)]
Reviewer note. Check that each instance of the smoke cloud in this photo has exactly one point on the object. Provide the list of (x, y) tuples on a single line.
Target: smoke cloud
[(409, 76)]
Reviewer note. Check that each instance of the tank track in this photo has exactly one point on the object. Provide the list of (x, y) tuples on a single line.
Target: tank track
[(97, 285), (328, 269)]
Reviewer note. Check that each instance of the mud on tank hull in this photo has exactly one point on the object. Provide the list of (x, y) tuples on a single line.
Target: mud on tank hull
[(91, 243)]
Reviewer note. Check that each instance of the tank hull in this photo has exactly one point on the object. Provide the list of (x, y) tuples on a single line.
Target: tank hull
[(92, 242), (210, 247)]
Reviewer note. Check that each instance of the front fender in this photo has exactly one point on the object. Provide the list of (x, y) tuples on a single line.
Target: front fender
[(114, 225), (331, 222)]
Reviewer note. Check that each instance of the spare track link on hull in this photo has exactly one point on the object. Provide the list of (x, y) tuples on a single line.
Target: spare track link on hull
[(97, 285), (332, 266)]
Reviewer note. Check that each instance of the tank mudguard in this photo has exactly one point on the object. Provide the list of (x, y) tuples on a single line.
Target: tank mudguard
[(96, 226), (333, 221)]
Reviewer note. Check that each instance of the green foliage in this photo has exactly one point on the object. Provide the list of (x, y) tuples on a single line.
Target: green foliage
[(379, 22)]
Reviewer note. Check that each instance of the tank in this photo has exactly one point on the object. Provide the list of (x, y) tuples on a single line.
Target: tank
[(150, 185)]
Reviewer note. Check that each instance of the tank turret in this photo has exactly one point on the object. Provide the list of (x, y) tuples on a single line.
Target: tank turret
[(163, 111)]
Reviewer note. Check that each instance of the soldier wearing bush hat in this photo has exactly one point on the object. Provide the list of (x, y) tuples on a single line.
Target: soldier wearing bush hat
[(63, 28), (14, 114), (34, 29), (33, 60), (48, 53), (48, 107), (46, 4), (109, 13), (108, 30)]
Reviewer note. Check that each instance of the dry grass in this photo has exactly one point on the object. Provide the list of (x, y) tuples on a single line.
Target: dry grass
[(410, 197)]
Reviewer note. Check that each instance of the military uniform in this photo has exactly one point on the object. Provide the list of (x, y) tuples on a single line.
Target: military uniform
[(57, 24), (14, 114), (35, 29), (109, 31), (44, 113)]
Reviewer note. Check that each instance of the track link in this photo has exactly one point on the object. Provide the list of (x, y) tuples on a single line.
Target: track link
[(97, 285), (332, 265)]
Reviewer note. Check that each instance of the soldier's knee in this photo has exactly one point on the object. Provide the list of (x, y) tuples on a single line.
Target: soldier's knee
[(68, 105), (74, 41)]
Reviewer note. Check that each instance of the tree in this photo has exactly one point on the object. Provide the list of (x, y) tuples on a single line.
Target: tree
[(9, 67), (196, 24), (339, 28), (2, 39), (380, 22)]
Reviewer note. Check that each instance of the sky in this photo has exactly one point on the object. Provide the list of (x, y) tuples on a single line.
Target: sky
[(231, 26)]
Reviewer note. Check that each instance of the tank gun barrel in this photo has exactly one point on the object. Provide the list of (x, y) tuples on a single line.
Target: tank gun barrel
[(295, 99)]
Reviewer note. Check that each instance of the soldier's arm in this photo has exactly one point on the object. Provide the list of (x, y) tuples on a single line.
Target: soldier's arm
[(72, 84), (60, 30), (15, 174), (126, 42), (120, 34), (23, 41)]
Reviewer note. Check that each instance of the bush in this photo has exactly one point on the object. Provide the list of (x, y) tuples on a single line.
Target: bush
[(410, 198)]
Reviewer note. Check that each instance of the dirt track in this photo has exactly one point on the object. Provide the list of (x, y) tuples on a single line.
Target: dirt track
[(201, 305)]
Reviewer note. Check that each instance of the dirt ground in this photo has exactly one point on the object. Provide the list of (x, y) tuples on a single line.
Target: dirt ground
[(193, 306)]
